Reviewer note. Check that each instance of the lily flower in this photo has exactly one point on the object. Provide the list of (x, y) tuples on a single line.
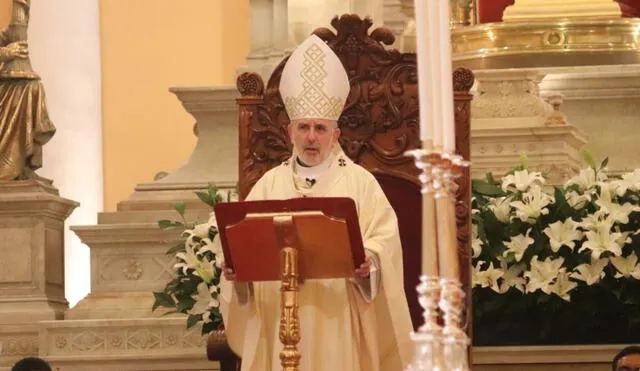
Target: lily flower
[(590, 273), (521, 180), (534, 203), (563, 234), (517, 245)]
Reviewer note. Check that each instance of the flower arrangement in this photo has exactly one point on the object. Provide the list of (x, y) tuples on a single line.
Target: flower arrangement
[(194, 290), (556, 264)]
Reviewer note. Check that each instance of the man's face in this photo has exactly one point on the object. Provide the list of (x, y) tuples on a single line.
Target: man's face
[(313, 139), (630, 362)]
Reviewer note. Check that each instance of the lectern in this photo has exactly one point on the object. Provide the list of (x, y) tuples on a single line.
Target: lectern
[(290, 241)]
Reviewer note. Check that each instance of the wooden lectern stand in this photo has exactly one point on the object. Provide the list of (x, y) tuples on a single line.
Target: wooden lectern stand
[(290, 240)]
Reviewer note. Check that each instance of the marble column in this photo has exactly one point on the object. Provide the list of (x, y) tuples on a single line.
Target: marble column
[(397, 15), (281, 41), (269, 37)]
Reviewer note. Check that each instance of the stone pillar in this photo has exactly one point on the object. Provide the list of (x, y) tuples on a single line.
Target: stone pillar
[(509, 117), (539, 10), (604, 102), (397, 16), (282, 43), (269, 37), (32, 273)]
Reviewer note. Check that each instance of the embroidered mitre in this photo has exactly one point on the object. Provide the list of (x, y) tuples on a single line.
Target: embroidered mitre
[(314, 84)]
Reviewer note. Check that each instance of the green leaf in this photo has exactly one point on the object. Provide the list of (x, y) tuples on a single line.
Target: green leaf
[(588, 158), (162, 299), (490, 179), (193, 319), (176, 249), (206, 198), (213, 190), (210, 327), (523, 160), (185, 304), (180, 207), (604, 163), (170, 312), (486, 189), (165, 224)]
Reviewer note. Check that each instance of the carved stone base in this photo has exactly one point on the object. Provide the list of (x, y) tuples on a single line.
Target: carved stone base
[(553, 150), (509, 98), (113, 327), (32, 216), (128, 263), (123, 345), (18, 341)]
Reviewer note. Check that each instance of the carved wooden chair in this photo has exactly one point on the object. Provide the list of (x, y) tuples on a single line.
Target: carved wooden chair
[(379, 124)]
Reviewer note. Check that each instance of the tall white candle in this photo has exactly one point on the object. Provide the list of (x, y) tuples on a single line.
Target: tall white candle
[(446, 74), (425, 80), (434, 60)]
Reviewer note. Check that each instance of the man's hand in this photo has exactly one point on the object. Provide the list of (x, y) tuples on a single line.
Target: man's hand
[(365, 268), (228, 273)]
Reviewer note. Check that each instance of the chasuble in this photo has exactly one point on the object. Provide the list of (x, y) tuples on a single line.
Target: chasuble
[(350, 324)]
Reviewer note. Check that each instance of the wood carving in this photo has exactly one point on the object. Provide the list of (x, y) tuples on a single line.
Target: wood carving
[(462, 82), (379, 124)]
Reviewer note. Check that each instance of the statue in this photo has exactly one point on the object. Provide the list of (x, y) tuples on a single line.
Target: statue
[(24, 120)]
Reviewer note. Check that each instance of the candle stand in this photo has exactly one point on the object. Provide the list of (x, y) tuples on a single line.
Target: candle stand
[(440, 348)]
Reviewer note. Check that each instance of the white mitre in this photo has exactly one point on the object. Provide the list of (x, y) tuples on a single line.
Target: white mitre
[(314, 84)]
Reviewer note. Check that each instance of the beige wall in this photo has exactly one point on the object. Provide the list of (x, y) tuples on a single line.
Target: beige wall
[(5, 13), (148, 46)]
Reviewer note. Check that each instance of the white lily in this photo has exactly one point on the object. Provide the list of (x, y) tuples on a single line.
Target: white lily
[(563, 286), (601, 241), (205, 270), (487, 277), (476, 243), (204, 301), (590, 273), (214, 246), (631, 180), (198, 235), (624, 237), (214, 291), (615, 211), (586, 179), (534, 203), (626, 266), (517, 245), (576, 200), (187, 260), (475, 273), (512, 277), (542, 274), (521, 180), (563, 234), (501, 209), (199, 230), (596, 221)]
